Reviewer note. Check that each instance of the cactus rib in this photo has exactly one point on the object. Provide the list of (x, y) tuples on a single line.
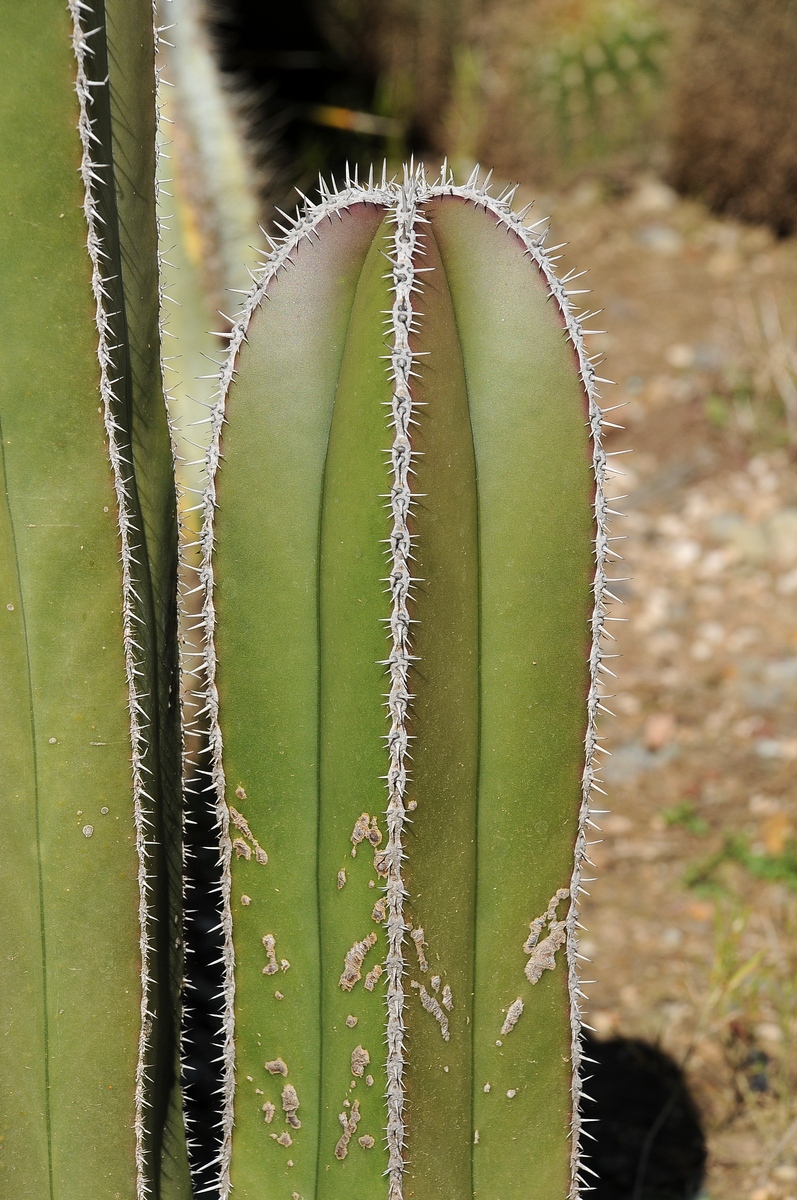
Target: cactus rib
[(304, 229), (128, 535), (501, 208)]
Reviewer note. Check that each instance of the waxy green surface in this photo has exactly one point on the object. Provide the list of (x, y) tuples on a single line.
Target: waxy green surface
[(503, 530), (71, 990)]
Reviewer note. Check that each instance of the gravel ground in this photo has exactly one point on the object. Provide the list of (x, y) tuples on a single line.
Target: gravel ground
[(693, 916)]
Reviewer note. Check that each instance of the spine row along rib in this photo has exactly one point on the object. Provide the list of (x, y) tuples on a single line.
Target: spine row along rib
[(398, 663)]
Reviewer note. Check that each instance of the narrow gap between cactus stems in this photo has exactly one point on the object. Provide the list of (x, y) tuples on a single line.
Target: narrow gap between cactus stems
[(42, 931), (430, 233), (318, 720)]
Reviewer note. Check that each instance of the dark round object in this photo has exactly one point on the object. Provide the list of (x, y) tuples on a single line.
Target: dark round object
[(649, 1141)]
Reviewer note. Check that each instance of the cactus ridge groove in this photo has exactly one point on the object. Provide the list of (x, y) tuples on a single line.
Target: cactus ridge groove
[(37, 817), (404, 203), (135, 567)]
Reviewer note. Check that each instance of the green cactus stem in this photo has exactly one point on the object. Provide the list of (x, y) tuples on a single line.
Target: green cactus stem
[(89, 730), (404, 556)]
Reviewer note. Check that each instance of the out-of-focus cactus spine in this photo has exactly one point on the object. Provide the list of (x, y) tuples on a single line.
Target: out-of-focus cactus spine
[(90, 836), (401, 888)]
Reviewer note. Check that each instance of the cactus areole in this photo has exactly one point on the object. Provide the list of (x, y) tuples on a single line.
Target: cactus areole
[(404, 552)]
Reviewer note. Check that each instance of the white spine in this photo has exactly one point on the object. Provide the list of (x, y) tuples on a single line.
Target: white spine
[(90, 174), (399, 662), (304, 227)]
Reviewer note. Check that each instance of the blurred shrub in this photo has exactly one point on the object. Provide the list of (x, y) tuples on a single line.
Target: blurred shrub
[(734, 136), (565, 84), (599, 82)]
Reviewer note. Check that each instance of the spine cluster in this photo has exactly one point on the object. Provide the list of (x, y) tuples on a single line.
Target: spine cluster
[(398, 664)]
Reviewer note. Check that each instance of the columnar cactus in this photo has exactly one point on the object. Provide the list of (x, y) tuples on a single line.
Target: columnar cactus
[(89, 728), (403, 566)]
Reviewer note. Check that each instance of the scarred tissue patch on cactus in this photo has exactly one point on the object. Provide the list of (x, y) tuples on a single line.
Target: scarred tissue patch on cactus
[(512, 1016), (240, 822), (543, 954), (354, 961), (276, 1067), (379, 910), (373, 976), (432, 1006), (418, 939), (290, 1105), (241, 849), (360, 1058), (349, 1121), (435, 983), (448, 999), (268, 1112), (270, 943), (341, 878), (282, 1139), (366, 1141), (351, 1021), (366, 828)]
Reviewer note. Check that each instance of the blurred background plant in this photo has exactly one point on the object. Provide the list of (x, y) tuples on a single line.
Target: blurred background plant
[(659, 135)]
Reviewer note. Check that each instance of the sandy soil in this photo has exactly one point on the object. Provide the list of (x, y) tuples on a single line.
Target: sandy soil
[(693, 916)]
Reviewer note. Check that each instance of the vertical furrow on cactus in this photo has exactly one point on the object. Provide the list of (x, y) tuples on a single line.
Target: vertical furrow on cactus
[(262, 636), (24, 972)]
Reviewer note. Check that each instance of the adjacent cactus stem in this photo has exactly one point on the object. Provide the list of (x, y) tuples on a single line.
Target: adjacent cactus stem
[(456, 896), (90, 813)]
